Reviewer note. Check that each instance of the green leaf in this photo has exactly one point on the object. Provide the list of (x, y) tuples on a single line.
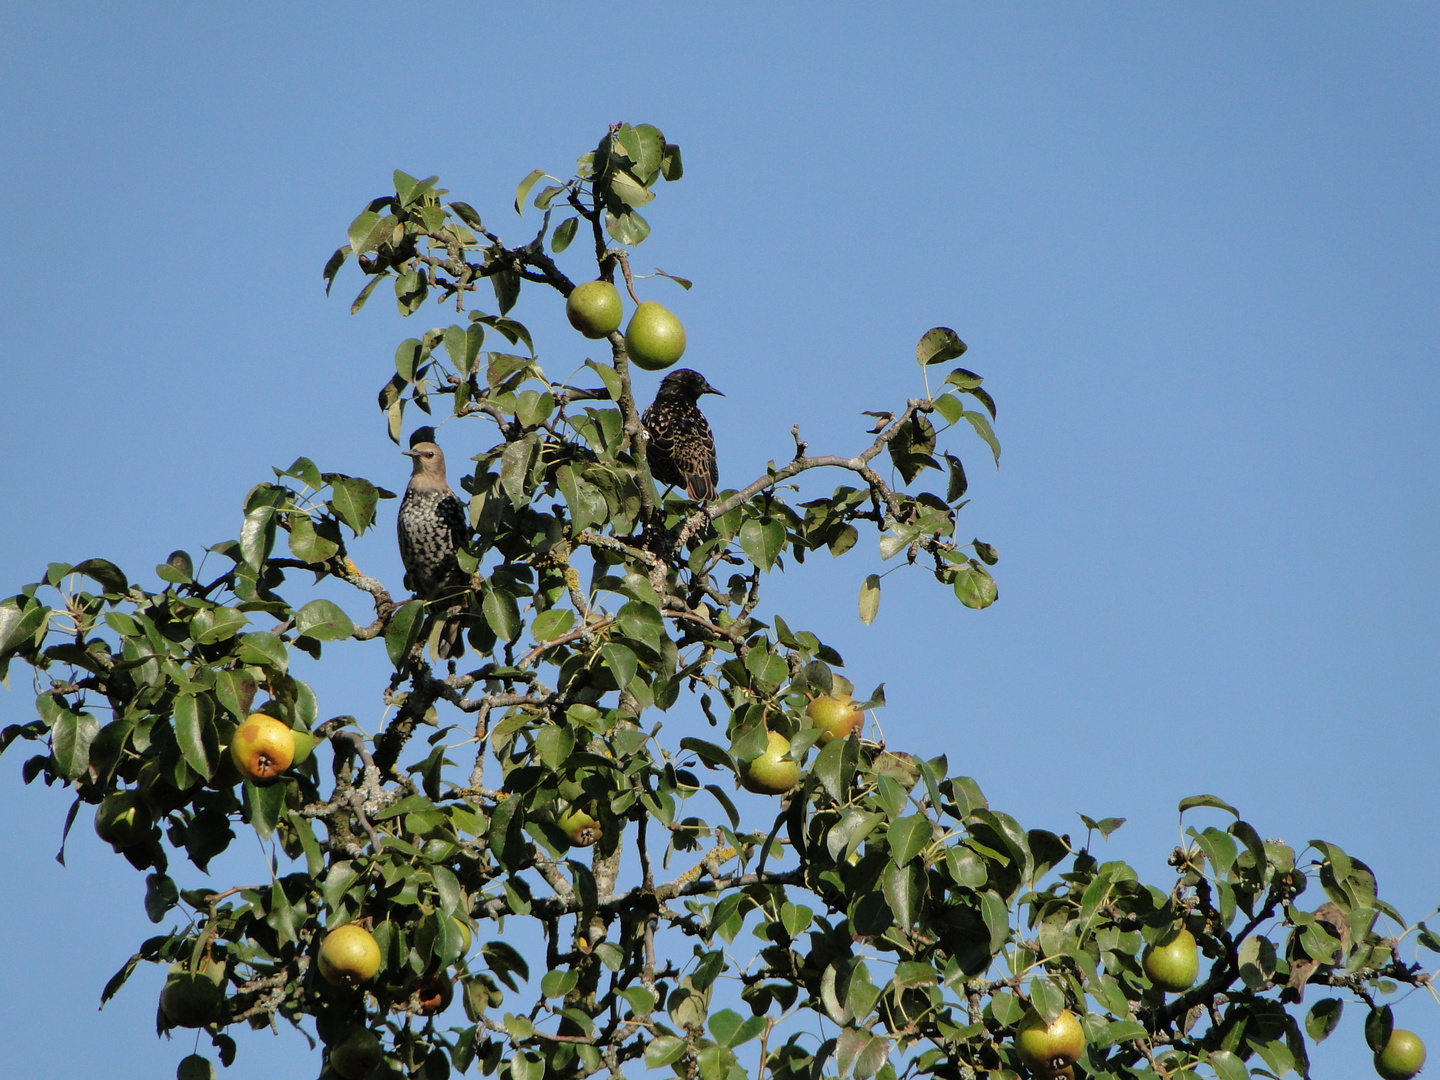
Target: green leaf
[(1227, 1066), (1379, 1023), (1323, 1018), (502, 612), (211, 625), (505, 962), (514, 469), (1046, 999), (107, 574), (729, 1029), (534, 408), (161, 894), (1256, 961), (236, 691), (264, 649), (408, 359), (964, 380), (524, 189), (353, 500), (911, 447), (361, 232), (364, 294), (559, 982), (908, 837), (664, 1050), (20, 624), (323, 621), (333, 265), (997, 919), (939, 345), (609, 376), (958, 483), (70, 741), (767, 671), (403, 630), (974, 587), (194, 721), (981, 424), (627, 228), (762, 541), (552, 624), (1207, 800), (525, 1064), (915, 973), (845, 837), (507, 289), (307, 543), (265, 805), (671, 167), (870, 599), (684, 283), (564, 233), (708, 752), (795, 918), (835, 766), (642, 622), (257, 536), (899, 885), (620, 662), (948, 406)]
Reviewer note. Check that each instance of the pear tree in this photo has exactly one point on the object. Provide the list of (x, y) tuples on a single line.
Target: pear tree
[(527, 873)]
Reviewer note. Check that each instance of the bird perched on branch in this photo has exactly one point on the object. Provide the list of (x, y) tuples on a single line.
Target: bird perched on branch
[(680, 448), (432, 525), (1302, 964)]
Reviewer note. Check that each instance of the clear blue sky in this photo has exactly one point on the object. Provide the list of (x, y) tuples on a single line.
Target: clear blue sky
[(1193, 249)]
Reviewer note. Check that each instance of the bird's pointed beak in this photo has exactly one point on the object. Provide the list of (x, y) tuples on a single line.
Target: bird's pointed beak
[(711, 390), (410, 453)]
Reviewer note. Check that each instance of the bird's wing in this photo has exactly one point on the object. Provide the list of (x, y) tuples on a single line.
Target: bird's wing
[(695, 458), (660, 444)]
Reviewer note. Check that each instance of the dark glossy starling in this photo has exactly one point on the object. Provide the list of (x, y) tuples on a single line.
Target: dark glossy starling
[(681, 450), (432, 525)]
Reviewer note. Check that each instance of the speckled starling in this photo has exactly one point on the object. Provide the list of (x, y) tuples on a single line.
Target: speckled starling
[(681, 450), (432, 525)]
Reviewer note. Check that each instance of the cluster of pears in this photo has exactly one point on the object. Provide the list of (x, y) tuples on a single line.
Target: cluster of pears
[(1051, 1049), (350, 957), (655, 337), (773, 772)]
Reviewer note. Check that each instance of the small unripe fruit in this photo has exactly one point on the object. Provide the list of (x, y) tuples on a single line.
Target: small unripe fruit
[(1050, 1048), (262, 748), (1402, 1057), (122, 819), (835, 715), (193, 999), (582, 829), (195, 1067), (772, 773), (356, 1055), (466, 938), (349, 956), (594, 309), (304, 746), (655, 338), (1173, 967)]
